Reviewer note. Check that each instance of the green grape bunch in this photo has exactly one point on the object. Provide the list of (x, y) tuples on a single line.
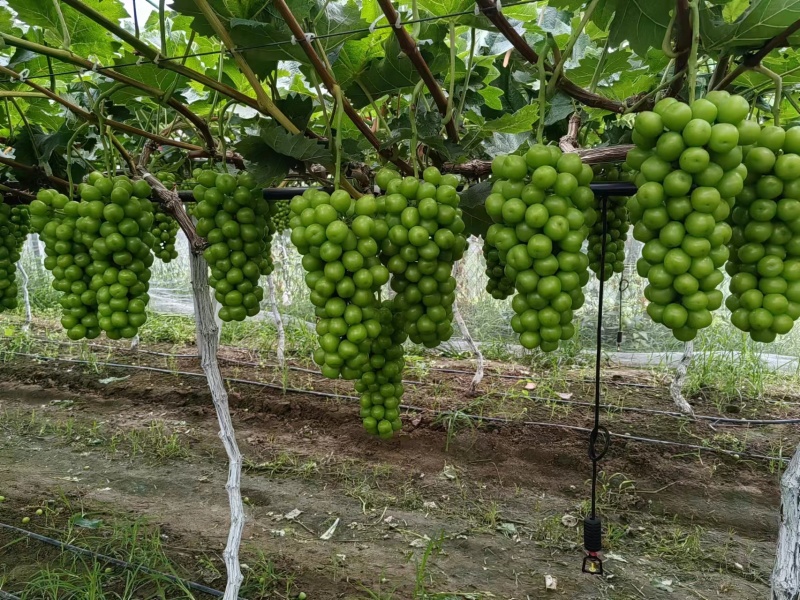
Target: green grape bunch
[(617, 225), (499, 285), (279, 216), (689, 159), (425, 238), (764, 246), (14, 228), (165, 232), (359, 337), (99, 252), (542, 208), (232, 215)]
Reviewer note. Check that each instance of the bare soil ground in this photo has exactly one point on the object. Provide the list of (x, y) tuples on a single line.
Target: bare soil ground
[(452, 508)]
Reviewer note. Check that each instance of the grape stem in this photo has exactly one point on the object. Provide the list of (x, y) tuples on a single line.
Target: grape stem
[(470, 62), (414, 133), (337, 139), (70, 144), (569, 142), (666, 43), (65, 39), (641, 101), (694, 5), (573, 39), (778, 81), (448, 117), (542, 98), (598, 70)]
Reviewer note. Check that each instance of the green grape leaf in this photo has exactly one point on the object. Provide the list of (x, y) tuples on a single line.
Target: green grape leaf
[(615, 62), (298, 108), (518, 122), (266, 165), (146, 73), (472, 202), (298, 146), (87, 38), (561, 106), (439, 8), (492, 96), (355, 57), (642, 23), (757, 24)]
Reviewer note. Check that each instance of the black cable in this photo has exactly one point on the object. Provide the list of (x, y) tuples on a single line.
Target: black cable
[(592, 526), (197, 587)]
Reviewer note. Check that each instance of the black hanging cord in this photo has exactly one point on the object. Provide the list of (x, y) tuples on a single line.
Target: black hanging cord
[(623, 285), (592, 526)]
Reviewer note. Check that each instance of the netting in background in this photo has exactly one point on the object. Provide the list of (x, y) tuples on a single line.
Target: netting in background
[(643, 342)]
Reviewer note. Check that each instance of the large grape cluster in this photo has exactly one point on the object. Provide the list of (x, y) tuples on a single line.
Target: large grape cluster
[(542, 209), (14, 226), (690, 169), (337, 238), (765, 246), (232, 215), (359, 338), (425, 237), (99, 252), (617, 225)]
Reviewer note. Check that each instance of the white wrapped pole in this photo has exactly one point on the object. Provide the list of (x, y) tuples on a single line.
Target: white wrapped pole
[(276, 316), (676, 387), (786, 572), (208, 344), (26, 299)]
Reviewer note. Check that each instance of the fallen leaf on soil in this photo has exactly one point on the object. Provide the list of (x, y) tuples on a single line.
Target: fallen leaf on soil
[(569, 521), (616, 557), (420, 542), (87, 523), (550, 582), (564, 396), (429, 505), (530, 386), (331, 530), (449, 471), (665, 585), (108, 380), (291, 515), (507, 528)]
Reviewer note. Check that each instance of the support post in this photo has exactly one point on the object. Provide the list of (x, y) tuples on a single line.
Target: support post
[(676, 387), (207, 345), (786, 573)]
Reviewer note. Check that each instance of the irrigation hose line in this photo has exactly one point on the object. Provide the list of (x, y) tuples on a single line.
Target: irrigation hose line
[(610, 407), (417, 409), (197, 587)]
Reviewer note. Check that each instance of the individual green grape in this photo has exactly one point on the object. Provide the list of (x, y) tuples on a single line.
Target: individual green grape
[(616, 235), (542, 210), (232, 216), (764, 246), (425, 237), (689, 159)]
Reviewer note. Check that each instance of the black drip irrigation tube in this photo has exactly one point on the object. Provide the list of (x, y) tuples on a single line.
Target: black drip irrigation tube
[(417, 409), (197, 587), (609, 407)]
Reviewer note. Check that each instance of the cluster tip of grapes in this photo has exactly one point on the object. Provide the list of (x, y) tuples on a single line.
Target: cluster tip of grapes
[(689, 159), (764, 262), (232, 216), (165, 228), (99, 250), (542, 208)]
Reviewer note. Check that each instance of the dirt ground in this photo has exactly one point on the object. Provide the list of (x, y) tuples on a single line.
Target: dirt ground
[(443, 510)]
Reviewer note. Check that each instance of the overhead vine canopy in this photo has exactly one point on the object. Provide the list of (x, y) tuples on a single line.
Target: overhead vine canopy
[(457, 80)]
